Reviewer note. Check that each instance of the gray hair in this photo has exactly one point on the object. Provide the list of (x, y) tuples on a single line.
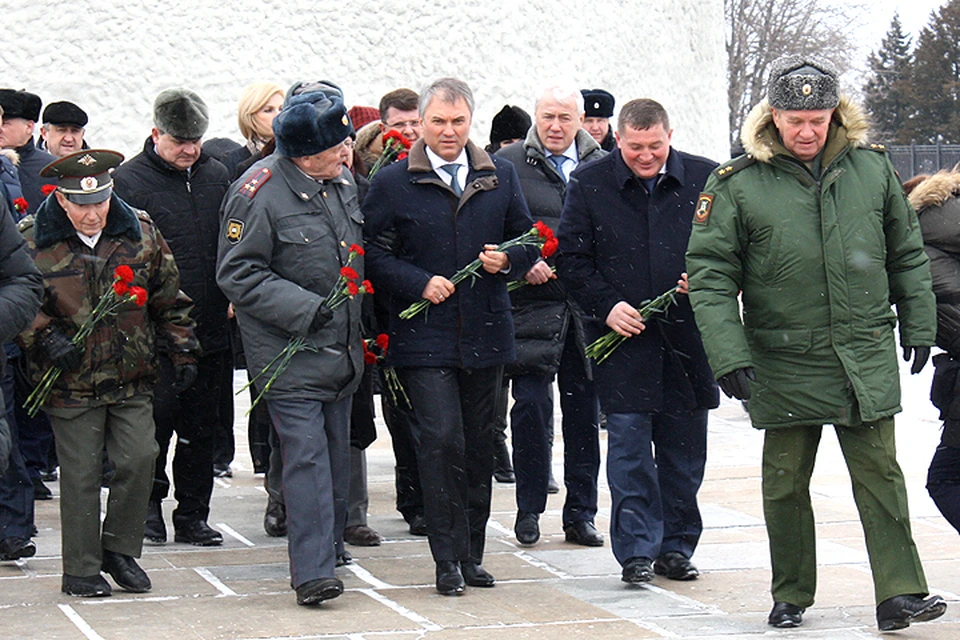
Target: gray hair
[(448, 90), (642, 113), (562, 93)]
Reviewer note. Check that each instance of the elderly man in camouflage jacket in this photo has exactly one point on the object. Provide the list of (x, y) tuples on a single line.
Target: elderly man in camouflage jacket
[(104, 396)]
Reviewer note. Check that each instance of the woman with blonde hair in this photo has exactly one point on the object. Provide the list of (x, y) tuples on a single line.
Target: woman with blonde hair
[(259, 104)]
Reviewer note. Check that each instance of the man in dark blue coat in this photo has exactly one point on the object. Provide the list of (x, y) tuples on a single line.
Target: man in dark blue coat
[(427, 217), (623, 233)]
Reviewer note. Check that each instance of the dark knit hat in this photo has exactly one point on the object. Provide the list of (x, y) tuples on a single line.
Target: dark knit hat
[(597, 103), (511, 123), (20, 104), (803, 83), (300, 87), (311, 123), (181, 113), (64, 112), (360, 116), (84, 177)]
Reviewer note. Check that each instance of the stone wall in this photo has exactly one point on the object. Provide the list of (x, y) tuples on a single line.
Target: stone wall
[(113, 58)]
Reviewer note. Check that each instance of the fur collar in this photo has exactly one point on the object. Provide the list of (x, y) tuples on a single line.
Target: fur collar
[(11, 155), (936, 190), (760, 139), (52, 225)]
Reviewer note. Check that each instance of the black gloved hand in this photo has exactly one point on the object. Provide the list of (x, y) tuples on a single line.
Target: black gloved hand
[(324, 315), (59, 349), (186, 375), (736, 383), (920, 357)]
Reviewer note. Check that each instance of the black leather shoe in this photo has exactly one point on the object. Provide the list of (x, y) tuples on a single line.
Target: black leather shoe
[(14, 548), (92, 587), (316, 591), (275, 519), (344, 558), (418, 526), (125, 572), (637, 571), (583, 532), (785, 615), (449, 578), (198, 533), (360, 535), (475, 575), (675, 566), (899, 611), (503, 472), (154, 530), (527, 527), (41, 491)]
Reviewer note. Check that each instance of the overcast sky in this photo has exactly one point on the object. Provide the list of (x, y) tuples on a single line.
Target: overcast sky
[(914, 15)]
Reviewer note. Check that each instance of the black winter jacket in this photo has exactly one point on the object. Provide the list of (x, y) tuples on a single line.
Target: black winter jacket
[(186, 209)]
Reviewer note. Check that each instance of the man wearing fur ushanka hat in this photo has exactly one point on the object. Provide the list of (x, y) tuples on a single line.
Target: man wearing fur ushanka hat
[(290, 224), (813, 226)]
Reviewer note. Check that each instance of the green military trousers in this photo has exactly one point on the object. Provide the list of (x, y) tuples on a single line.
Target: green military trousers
[(127, 430), (880, 494)]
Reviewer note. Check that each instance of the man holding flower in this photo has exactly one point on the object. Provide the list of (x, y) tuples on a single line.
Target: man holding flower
[(95, 251), (427, 217), (289, 248), (623, 232)]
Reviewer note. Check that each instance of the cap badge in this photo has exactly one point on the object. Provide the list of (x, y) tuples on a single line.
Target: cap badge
[(596, 105), (87, 160), (807, 89), (89, 183), (344, 120)]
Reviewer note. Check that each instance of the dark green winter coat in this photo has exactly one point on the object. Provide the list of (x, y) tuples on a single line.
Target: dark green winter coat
[(819, 262)]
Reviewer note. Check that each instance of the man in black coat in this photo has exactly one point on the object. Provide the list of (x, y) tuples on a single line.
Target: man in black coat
[(446, 205), (549, 335), (182, 188), (623, 234), (21, 111)]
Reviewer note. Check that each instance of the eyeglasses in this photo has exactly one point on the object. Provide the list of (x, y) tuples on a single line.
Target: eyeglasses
[(411, 124)]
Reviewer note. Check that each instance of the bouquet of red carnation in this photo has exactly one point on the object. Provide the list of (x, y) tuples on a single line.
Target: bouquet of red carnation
[(601, 348), (20, 206), (395, 147), (119, 294), (345, 288), (374, 352), (540, 235)]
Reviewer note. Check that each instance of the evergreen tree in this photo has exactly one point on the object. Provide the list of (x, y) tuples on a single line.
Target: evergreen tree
[(885, 94), (934, 87)]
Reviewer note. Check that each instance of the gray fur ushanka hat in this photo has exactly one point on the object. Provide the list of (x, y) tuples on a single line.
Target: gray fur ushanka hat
[(802, 83), (181, 113)]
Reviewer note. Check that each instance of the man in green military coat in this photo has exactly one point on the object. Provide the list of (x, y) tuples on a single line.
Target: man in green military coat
[(813, 227)]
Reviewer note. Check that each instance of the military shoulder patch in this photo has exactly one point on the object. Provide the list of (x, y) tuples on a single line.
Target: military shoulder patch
[(727, 169), (254, 182), (234, 229), (702, 213), (876, 146)]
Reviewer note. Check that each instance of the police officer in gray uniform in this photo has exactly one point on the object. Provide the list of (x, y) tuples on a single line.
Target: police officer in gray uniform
[(288, 226)]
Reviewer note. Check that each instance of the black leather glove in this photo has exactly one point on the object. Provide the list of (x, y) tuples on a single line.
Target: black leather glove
[(186, 375), (736, 384), (324, 315), (920, 357), (60, 350)]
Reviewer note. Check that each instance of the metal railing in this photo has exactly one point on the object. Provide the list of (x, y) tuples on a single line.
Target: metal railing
[(914, 159)]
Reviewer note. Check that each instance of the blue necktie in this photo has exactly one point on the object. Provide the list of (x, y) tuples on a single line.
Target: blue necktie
[(452, 169), (558, 163), (651, 183)]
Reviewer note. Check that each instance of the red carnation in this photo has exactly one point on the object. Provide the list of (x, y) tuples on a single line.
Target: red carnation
[(549, 247), (47, 189), (368, 356), (352, 288), (402, 156), (120, 288), (140, 295), (20, 204), (383, 340), (357, 249), (124, 273), (395, 135), (367, 286), (542, 229), (349, 273)]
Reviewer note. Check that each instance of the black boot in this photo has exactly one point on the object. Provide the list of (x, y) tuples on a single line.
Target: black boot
[(504, 469)]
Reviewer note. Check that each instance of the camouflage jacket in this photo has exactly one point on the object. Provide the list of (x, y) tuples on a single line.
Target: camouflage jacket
[(120, 356)]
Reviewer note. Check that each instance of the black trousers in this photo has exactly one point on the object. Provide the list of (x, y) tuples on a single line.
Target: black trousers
[(399, 420), (194, 415), (453, 430)]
